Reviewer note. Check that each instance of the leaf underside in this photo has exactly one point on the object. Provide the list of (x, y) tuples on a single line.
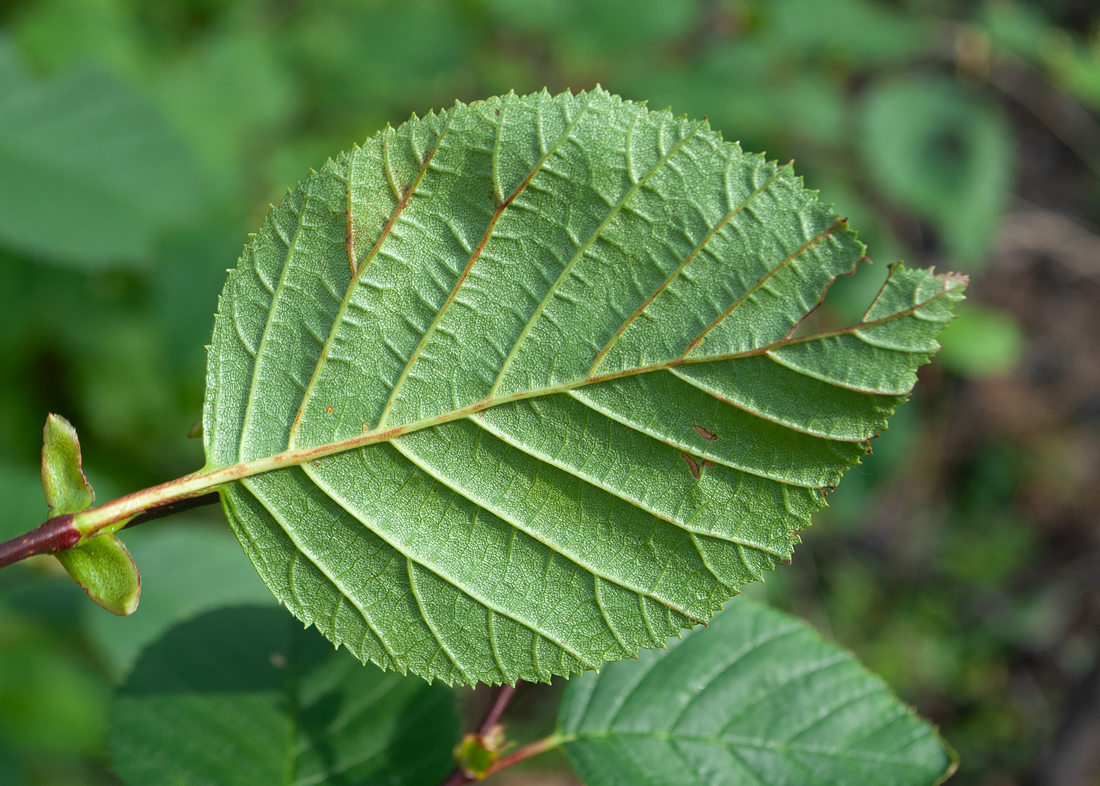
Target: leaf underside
[(531, 364), (759, 700)]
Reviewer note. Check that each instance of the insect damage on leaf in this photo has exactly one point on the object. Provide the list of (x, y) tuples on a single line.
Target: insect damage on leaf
[(702, 432), (554, 301)]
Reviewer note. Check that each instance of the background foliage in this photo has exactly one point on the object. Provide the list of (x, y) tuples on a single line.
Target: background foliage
[(140, 142)]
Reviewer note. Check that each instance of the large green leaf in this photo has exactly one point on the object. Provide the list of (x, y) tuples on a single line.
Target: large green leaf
[(514, 390), (245, 697), (757, 700)]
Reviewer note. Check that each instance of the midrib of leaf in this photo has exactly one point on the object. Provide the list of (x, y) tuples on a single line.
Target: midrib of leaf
[(107, 517), (301, 455)]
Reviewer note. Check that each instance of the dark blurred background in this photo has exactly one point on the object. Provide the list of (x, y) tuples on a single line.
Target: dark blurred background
[(140, 142)]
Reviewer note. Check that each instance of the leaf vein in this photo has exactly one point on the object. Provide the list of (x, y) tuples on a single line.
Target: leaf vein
[(582, 251), (680, 269), (475, 255), (530, 626), (555, 548)]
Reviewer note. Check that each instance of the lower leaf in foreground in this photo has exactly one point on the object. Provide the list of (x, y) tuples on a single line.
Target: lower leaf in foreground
[(759, 699), (246, 697)]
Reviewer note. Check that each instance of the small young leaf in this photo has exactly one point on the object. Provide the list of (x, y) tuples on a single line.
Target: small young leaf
[(101, 566), (757, 700), (514, 389), (246, 697), (105, 570), (63, 481)]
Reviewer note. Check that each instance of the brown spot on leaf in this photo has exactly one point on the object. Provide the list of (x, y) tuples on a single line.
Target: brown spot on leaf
[(692, 465), (496, 112), (707, 463), (328, 410), (702, 432)]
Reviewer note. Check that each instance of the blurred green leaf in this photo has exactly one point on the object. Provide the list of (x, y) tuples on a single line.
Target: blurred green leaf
[(854, 32), (245, 697), (1076, 68), (58, 34), (229, 94), (49, 700), (21, 490), (982, 341), (366, 62), (757, 700), (90, 175), (1019, 27), (599, 26), (940, 150), (191, 568), (987, 549)]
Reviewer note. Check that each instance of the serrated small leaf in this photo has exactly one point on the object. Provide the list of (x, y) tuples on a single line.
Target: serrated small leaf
[(514, 389), (246, 697), (759, 699)]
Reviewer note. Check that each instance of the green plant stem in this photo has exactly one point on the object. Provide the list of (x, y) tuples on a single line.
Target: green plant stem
[(59, 533)]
